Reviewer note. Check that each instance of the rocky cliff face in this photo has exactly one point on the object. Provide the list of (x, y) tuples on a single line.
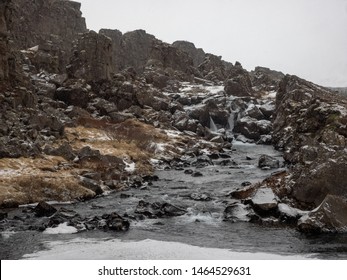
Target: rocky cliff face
[(53, 25), (197, 54), (4, 49), (310, 126)]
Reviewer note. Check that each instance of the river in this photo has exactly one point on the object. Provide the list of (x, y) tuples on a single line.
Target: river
[(201, 233)]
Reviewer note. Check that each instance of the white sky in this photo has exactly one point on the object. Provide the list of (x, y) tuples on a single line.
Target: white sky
[(307, 38)]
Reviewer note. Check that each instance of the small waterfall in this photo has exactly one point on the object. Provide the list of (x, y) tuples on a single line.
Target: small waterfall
[(231, 121), (213, 126)]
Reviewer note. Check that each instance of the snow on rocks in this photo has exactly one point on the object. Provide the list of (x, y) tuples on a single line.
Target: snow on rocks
[(330, 216)]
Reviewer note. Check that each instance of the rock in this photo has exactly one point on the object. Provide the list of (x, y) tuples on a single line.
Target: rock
[(240, 85), (252, 128), (64, 150), (116, 222), (92, 57), (43, 209), (64, 215), (328, 177), (157, 209), (53, 25), (268, 162), (3, 216), (238, 212), (329, 216), (92, 185), (197, 174), (201, 196), (288, 214), (265, 79), (202, 161), (243, 193), (75, 95), (197, 54), (170, 210), (4, 47), (264, 201)]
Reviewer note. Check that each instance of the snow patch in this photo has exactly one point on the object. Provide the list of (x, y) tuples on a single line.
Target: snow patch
[(116, 249), (61, 229)]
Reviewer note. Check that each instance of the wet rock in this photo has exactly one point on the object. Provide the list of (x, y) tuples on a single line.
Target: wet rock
[(158, 210), (197, 174), (246, 183), (238, 212), (330, 216), (202, 161), (243, 193), (252, 128), (201, 196), (43, 209), (116, 223), (188, 171), (264, 201), (268, 162), (288, 214), (64, 215), (3, 216)]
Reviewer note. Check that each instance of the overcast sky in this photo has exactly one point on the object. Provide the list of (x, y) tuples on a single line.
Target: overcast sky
[(307, 38)]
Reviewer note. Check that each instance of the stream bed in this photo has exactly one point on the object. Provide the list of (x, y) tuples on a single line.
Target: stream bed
[(201, 233)]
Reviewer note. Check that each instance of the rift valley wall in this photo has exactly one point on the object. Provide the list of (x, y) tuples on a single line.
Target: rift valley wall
[(4, 49)]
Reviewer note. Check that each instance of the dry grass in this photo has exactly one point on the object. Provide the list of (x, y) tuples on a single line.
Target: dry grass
[(27, 180), (130, 139)]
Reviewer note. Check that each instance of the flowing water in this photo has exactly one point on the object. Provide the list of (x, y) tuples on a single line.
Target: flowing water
[(200, 233)]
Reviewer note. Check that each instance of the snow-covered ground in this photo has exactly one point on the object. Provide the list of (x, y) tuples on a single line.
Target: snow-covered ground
[(86, 249)]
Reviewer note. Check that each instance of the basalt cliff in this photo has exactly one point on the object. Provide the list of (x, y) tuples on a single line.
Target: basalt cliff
[(83, 113)]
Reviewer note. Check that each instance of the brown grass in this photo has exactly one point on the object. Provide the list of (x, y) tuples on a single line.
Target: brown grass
[(27, 180)]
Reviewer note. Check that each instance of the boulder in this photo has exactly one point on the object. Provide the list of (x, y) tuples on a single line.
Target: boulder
[(268, 162), (253, 128), (238, 212), (329, 216), (43, 209), (264, 201), (92, 185), (239, 86), (116, 223), (157, 209), (328, 177)]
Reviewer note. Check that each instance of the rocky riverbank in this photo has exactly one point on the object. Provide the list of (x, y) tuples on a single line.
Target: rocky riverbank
[(86, 113)]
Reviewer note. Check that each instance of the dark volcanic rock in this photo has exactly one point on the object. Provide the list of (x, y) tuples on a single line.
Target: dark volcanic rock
[(158, 210), (116, 222), (266, 161), (238, 212), (44, 209), (198, 55), (330, 216), (4, 48), (92, 58), (51, 24), (265, 79), (309, 126), (264, 201)]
